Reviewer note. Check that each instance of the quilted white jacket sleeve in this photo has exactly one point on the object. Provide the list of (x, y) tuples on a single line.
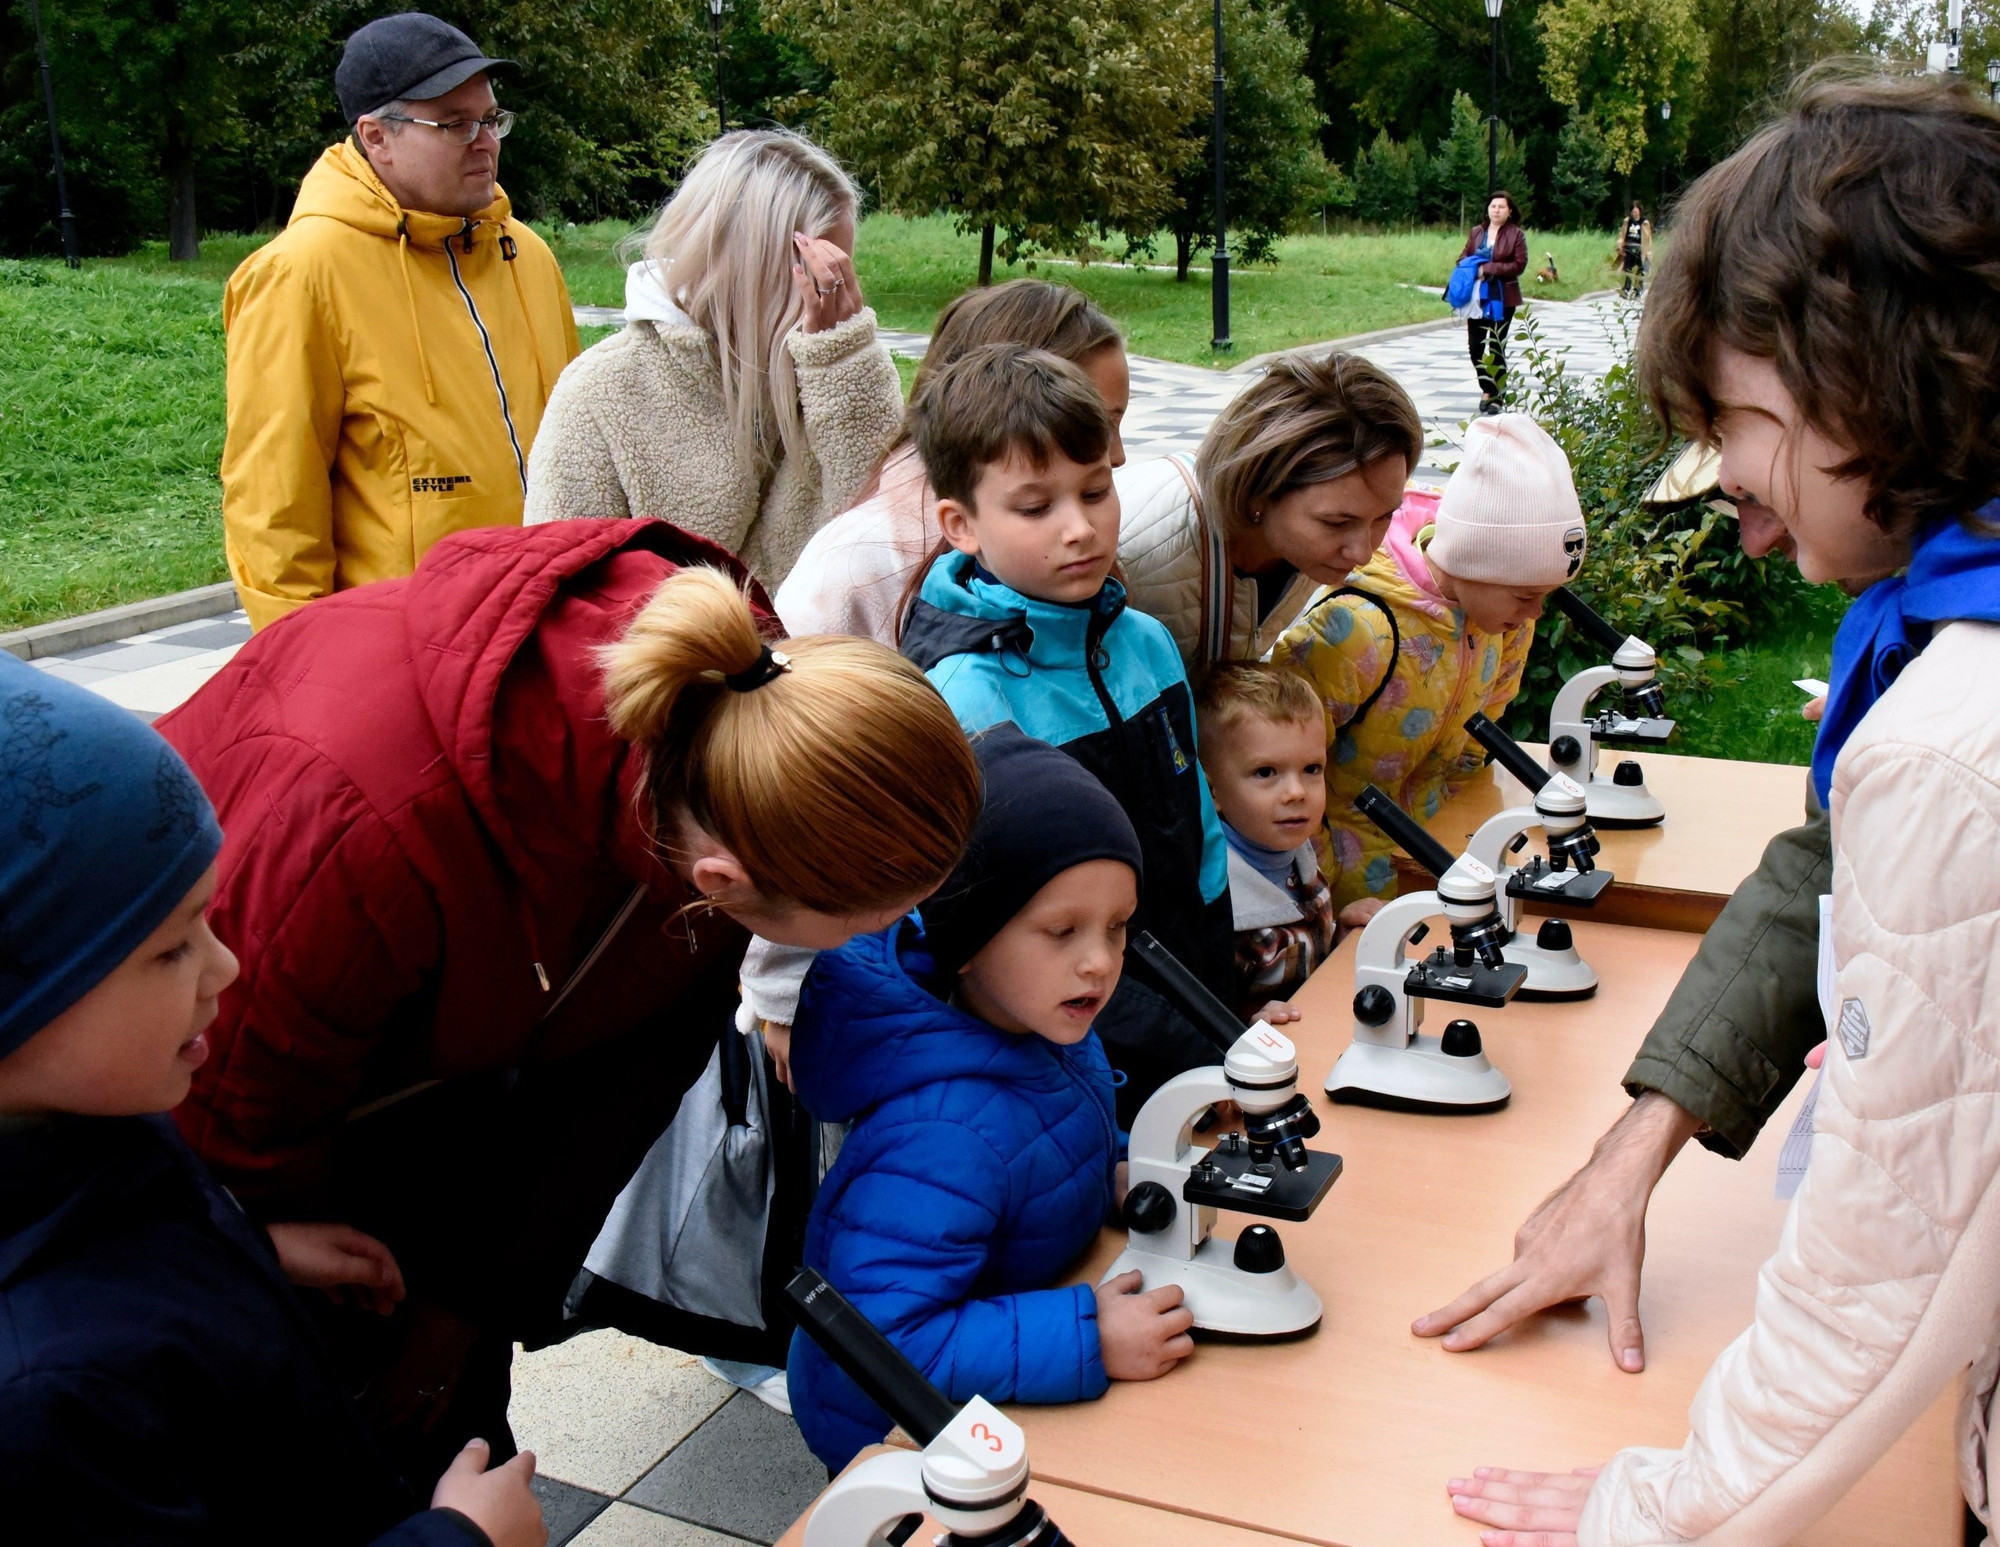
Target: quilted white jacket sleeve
[(1886, 1281)]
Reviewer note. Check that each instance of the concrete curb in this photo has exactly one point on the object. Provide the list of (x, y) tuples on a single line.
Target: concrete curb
[(1352, 341), (114, 623)]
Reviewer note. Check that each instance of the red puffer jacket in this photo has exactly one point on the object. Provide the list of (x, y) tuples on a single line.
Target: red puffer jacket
[(429, 825)]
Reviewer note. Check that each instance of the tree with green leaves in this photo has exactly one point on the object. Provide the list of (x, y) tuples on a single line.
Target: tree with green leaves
[(1577, 184), (1270, 140), (1389, 178), (1457, 182), (1615, 61), (1033, 121)]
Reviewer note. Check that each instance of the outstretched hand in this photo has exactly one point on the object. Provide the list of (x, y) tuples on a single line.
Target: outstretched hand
[(347, 1263), (1588, 1238), (1141, 1334), (1530, 1509)]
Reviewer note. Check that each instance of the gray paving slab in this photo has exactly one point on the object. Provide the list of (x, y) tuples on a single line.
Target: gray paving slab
[(746, 1471), (131, 655), (206, 635), (566, 1509)]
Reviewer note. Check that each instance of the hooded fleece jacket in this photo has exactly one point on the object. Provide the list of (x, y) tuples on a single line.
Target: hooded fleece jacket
[(428, 827), (1885, 1285), (387, 374), (979, 1165)]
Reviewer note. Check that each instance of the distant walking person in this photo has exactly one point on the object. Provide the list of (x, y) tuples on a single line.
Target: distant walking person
[(1635, 251), (1501, 242), (748, 399), (392, 350)]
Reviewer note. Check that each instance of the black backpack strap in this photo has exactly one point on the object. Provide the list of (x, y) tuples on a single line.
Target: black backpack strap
[(1395, 647)]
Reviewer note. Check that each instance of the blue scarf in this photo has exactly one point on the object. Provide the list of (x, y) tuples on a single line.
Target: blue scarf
[(1954, 574)]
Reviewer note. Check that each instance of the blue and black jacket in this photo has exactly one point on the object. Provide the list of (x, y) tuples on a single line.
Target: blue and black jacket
[(1105, 684), (979, 1166)]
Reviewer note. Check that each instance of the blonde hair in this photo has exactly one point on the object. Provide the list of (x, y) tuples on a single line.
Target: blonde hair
[(843, 785), (1305, 421), (1234, 691), (722, 249)]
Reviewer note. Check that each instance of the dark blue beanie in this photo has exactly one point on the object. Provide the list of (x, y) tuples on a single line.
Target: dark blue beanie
[(102, 832), (1041, 813)]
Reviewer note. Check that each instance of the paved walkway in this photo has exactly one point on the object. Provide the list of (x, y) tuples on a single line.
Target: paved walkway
[(638, 1446)]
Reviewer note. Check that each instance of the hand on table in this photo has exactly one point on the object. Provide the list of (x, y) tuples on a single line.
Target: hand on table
[(1588, 1238), (1276, 1013), (828, 290), (1355, 916), (499, 1502), (347, 1263), (1531, 1509), (1142, 1335)]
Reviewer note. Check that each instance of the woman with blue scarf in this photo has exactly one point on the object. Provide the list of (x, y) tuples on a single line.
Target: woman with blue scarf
[(1829, 316), (1485, 290)]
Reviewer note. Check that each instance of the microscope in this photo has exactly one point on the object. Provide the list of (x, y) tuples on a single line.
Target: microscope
[(1390, 1062), (1568, 875), (1241, 1290), (972, 1473), (1623, 799)]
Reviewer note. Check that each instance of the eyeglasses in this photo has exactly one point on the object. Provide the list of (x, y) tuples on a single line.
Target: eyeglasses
[(462, 131)]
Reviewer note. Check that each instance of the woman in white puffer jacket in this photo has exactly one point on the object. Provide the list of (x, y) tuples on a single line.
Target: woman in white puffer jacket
[(1829, 313)]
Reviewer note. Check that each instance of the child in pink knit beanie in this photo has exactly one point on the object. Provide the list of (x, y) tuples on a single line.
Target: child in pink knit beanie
[(1435, 626)]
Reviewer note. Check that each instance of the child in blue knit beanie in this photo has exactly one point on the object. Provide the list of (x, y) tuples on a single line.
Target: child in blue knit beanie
[(983, 1150), (159, 1382)]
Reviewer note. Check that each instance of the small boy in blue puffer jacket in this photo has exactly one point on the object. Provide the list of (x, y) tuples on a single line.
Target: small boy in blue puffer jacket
[(983, 1152)]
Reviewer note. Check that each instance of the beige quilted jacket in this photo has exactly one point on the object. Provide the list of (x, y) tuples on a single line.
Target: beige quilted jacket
[(635, 428), (1886, 1283)]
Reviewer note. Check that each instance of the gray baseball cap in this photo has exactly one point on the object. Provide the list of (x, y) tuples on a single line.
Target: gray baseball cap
[(409, 56)]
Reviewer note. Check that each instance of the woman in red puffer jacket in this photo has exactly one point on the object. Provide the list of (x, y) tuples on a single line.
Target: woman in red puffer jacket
[(494, 837)]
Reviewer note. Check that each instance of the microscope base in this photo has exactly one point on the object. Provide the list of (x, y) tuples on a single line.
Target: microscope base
[(1552, 975), (1420, 1077), (1226, 1301), (1622, 805)]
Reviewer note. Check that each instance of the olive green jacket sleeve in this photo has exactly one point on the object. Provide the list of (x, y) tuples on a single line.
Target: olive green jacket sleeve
[(1733, 1039)]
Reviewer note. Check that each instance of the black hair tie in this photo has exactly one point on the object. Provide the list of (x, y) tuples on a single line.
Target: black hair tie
[(769, 665)]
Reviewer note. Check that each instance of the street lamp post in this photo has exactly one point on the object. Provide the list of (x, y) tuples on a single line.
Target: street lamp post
[(65, 221), (1493, 100), (1666, 115), (715, 44), (1993, 79), (1219, 287)]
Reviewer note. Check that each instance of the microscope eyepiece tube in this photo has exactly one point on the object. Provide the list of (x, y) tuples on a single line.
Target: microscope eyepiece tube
[(1587, 618), (868, 1358), (1507, 752), (1184, 991), (1402, 827)]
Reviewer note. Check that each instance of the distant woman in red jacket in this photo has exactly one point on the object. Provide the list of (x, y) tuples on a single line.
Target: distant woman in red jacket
[(1500, 240), (495, 834)]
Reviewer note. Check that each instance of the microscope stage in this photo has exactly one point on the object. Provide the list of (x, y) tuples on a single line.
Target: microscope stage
[(1618, 727), (1536, 882), (1477, 984), (1274, 1194)]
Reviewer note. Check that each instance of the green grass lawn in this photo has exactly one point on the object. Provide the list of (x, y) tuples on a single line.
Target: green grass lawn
[(1318, 287), (1756, 717)]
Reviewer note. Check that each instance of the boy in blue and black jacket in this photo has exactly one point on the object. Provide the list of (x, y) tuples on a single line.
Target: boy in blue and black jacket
[(1021, 620), (981, 1155)]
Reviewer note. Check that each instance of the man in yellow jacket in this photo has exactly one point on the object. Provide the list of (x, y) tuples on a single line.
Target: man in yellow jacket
[(391, 351)]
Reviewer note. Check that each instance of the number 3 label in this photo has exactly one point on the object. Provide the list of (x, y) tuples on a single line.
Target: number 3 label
[(993, 1441)]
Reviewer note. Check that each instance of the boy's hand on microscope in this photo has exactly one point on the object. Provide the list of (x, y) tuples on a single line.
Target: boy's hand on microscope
[(1142, 1335), (347, 1263), (499, 1502)]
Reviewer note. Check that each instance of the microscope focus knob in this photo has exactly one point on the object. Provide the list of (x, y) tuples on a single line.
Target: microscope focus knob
[(1374, 1005), (1258, 1250), (1460, 1040), (1149, 1207), (1566, 750), (1554, 935), (1629, 774)]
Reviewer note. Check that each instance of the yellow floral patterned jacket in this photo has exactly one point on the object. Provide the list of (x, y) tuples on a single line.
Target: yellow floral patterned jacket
[(1399, 673)]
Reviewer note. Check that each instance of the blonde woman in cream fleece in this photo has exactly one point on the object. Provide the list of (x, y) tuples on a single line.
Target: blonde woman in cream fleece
[(1829, 314), (748, 398)]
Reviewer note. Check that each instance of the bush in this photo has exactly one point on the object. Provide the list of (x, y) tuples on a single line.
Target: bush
[(1678, 580)]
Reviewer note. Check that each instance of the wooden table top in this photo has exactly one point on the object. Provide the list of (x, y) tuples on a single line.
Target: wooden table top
[(1097, 1520), (1348, 1436), (1720, 814)]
